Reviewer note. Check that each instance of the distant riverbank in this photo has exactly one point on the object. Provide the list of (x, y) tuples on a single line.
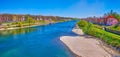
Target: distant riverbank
[(21, 27), (25, 24), (11, 28), (86, 46)]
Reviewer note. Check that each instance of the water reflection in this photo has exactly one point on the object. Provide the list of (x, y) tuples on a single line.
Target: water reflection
[(7, 33)]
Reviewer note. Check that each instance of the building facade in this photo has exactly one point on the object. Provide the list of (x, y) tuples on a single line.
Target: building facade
[(17, 18), (106, 20)]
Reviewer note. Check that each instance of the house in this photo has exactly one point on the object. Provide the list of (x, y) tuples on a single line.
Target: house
[(18, 17), (100, 21), (106, 20), (110, 20), (5, 18), (92, 20)]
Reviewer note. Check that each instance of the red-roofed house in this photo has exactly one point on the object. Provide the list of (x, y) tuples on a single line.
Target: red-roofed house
[(110, 20)]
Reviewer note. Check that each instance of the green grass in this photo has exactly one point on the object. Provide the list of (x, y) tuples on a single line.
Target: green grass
[(109, 38), (114, 27)]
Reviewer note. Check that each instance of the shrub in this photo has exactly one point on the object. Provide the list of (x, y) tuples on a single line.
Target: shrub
[(109, 38), (82, 23), (20, 24)]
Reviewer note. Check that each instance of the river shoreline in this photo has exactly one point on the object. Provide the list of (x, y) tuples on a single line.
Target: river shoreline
[(27, 26), (89, 47), (22, 27)]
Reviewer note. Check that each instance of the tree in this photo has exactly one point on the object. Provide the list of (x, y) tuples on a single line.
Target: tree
[(82, 23), (29, 19), (20, 24), (111, 12), (117, 16)]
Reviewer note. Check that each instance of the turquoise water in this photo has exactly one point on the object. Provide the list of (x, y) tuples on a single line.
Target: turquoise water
[(40, 41)]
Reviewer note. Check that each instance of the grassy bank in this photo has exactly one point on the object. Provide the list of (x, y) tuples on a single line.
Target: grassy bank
[(25, 24), (91, 29)]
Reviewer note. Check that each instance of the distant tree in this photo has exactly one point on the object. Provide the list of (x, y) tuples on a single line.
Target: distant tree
[(111, 12), (29, 19), (115, 14), (75, 19), (20, 24)]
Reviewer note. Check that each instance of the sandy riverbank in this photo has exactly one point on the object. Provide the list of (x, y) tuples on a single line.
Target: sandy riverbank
[(86, 46)]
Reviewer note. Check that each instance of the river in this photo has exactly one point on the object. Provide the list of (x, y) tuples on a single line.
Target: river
[(39, 41)]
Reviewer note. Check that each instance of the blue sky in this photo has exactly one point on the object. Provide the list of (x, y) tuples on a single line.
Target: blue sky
[(68, 8)]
